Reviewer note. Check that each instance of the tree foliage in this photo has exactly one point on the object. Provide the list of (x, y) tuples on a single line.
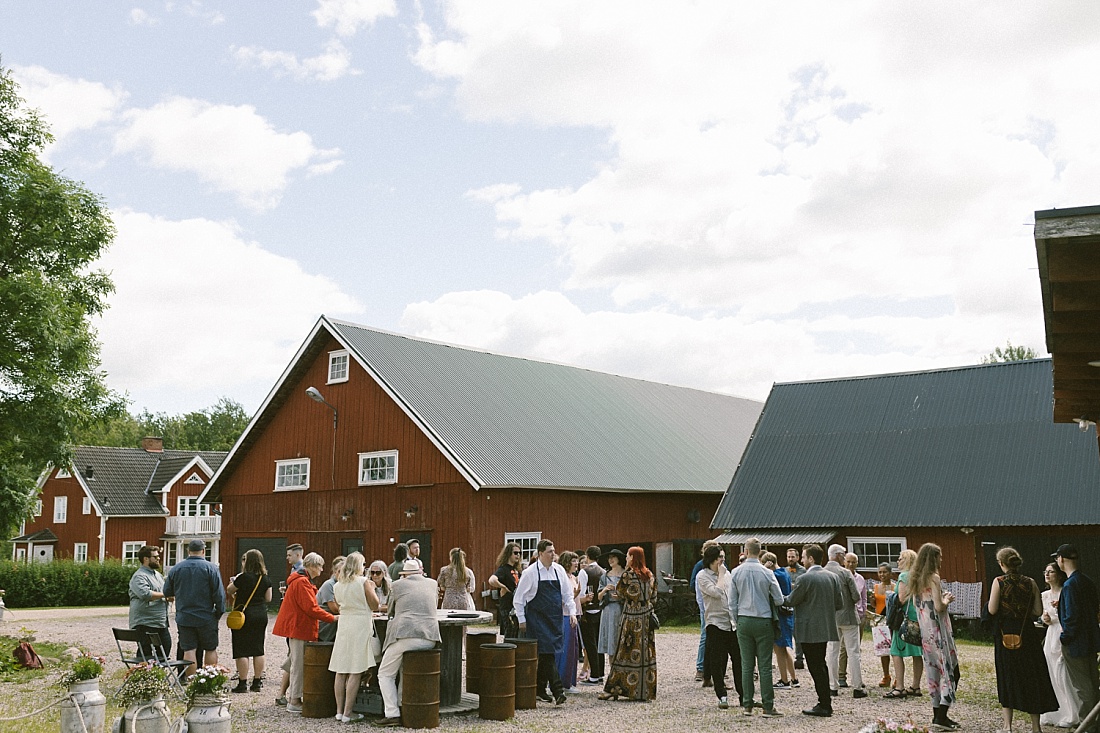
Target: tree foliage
[(51, 230), (1009, 353), (216, 428)]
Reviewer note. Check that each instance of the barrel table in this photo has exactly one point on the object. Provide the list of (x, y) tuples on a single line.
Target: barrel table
[(450, 661), (497, 700), (527, 672), (318, 693)]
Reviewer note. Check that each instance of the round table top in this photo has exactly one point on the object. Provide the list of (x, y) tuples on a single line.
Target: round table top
[(463, 618)]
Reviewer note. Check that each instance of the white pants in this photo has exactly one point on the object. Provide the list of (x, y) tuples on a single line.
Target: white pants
[(295, 667), (391, 665), (849, 637)]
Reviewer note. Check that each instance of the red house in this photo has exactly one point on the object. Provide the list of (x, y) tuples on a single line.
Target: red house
[(111, 501), (371, 438)]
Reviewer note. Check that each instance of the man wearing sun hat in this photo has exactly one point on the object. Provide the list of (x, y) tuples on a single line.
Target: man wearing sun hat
[(413, 626), (1077, 612)]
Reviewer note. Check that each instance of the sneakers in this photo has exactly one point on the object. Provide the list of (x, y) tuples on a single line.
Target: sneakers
[(280, 701), (723, 703), (698, 675), (796, 684), (572, 690), (946, 724), (772, 713), (543, 697), (292, 708), (842, 682), (559, 700), (781, 685), (593, 681), (357, 718)]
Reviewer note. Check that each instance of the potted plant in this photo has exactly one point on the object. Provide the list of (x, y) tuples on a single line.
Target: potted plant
[(208, 701), (142, 694), (85, 707)]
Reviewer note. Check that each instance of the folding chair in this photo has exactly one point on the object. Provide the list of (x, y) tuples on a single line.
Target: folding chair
[(137, 638), (174, 667)]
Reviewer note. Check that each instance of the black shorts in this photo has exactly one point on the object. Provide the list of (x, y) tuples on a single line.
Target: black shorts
[(193, 637)]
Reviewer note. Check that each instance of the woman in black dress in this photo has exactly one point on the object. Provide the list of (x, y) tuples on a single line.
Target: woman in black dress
[(1023, 681), (250, 592)]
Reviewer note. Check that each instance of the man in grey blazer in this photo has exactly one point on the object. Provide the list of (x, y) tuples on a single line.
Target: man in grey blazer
[(816, 599), (413, 625), (847, 622)]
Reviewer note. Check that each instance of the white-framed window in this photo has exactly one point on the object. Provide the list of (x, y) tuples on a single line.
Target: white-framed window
[(338, 362), (86, 505), (379, 467), (130, 551), (38, 507), (21, 554), (62, 473), (80, 552), (172, 556), (189, 506), (194, 478), (527, 541), (872, 551), (60, 509), (292, 475)]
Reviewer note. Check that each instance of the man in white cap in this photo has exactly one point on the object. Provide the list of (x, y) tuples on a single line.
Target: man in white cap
[(413, 626)]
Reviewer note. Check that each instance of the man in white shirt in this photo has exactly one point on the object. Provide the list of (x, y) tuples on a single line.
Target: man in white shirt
[(847, 622), (542, 600), (589, 578)]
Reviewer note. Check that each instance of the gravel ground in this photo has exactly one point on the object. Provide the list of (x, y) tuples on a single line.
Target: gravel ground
[(681, 703)]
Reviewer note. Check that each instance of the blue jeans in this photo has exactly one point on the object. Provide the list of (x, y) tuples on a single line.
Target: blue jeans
[(702, 640)]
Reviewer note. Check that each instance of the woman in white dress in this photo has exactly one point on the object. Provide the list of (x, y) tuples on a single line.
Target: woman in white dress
[(1068, 704), (352, 654)]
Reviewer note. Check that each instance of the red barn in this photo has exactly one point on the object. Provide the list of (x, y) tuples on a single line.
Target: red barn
[(111, 501), (370, 438)]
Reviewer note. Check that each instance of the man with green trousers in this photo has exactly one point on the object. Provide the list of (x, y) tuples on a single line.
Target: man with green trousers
[(753, 589)]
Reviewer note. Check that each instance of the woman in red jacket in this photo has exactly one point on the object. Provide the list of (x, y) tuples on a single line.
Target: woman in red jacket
[(297, 621)]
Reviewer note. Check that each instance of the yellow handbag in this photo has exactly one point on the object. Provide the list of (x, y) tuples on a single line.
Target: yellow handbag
[(235, 619)]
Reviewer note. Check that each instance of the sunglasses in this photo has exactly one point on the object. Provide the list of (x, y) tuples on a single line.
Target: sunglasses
[(376, 572)]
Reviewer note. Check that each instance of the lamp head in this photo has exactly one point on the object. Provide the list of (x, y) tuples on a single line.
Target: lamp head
[(314, 394)]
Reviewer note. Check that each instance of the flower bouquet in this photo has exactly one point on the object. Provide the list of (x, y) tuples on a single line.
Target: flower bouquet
[(889, 725), (142, 683), (211, 680), (85, 667)]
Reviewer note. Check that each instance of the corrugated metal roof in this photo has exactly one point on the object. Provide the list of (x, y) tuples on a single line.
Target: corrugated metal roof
[(971, 446), (120, 475), (788, 537), (520, 422)]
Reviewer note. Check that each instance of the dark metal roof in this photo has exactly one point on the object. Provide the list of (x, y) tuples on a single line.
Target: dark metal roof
[(41, 537), (970, 446), (120, 476)]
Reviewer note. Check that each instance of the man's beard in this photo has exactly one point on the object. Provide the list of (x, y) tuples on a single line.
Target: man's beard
[(154, 565)]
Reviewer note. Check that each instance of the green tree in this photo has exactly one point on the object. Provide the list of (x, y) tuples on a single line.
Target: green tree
[(215, 428), (51, 230), (1009, 353)]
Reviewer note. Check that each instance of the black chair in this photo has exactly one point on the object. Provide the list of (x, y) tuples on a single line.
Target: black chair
[(175, 667), (138, 639)]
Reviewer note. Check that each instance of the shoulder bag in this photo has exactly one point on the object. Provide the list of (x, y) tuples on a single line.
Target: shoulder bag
[(235, 619), (1015, 641), (910, 629)]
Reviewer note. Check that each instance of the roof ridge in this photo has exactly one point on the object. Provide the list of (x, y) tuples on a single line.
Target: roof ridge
[(936, 370)]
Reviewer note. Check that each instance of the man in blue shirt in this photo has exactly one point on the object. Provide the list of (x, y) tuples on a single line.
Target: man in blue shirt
[(1077, 611), (200, 603), (753, 590)]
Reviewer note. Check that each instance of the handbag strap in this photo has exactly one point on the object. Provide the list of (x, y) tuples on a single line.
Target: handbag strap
[(258, 579)]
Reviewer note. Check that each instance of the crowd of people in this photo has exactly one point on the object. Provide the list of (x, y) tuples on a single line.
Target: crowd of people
[(582, 606)]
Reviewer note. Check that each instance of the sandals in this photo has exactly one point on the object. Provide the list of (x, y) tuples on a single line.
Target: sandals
[(607, 696), (913, 692), (895, 694)]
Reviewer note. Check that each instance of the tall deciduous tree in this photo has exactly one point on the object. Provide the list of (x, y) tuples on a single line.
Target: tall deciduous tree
[(1009, 353), (215, 428), (51, 230)]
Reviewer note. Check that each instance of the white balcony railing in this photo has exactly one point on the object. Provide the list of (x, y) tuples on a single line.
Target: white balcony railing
[(193, 525)]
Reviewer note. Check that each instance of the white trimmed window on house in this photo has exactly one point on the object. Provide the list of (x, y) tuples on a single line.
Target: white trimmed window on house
[(38, 507), (80, 552), (60, 509), (130, 552), (21, 554), (194, 478), (379, 467), (527, 541), (189, 506), (338, 362), (172, 556), (873, 551), (292, 475), (62, 473), (86, 505)]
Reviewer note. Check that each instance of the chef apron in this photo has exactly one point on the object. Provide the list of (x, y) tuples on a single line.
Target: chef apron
[(544, 613)]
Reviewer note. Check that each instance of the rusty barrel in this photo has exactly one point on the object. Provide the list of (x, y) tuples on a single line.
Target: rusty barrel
[(474, 640), (527, 672), (497, 699), (420, 689), (318, 693)]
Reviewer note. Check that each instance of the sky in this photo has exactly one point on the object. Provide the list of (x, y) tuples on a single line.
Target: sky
[(720, 195)]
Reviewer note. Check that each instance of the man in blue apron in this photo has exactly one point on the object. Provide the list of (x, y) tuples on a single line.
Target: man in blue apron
[(543, 598)]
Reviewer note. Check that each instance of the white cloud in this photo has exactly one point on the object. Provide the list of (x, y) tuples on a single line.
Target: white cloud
[(199, 312), (138, 16), (68, 104), (333, 63), (232, 148), (731, 354), (768, 159), (347, 17)]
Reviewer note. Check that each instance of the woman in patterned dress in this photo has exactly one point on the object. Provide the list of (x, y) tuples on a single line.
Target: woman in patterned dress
[(456, 583), (1023, 681), (634, 666), (941, 662)]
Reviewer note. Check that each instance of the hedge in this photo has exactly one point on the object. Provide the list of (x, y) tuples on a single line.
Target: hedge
[(65, 583)]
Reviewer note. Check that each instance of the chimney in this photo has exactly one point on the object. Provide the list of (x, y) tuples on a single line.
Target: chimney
[(152, 445)]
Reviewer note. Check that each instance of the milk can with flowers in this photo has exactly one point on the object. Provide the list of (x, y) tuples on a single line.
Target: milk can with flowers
[(85, 707), (208, 701), (142, 694)]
